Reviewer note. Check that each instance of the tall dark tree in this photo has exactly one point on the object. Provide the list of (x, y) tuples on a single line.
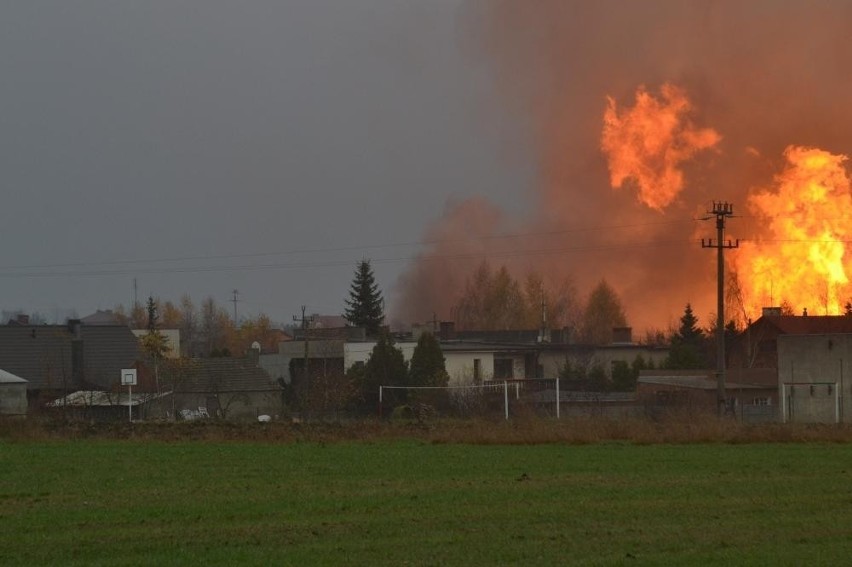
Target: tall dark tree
[(365, 306), (689, 348), (155, 343), (385, 367), (427, 366)]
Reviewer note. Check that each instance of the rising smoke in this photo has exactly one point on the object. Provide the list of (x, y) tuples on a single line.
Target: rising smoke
[(764, 75)]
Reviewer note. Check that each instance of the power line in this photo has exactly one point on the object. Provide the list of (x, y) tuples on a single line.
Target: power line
[(507, 236), (345, 262)]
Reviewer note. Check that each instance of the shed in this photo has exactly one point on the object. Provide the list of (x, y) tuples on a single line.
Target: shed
[(13, 394)]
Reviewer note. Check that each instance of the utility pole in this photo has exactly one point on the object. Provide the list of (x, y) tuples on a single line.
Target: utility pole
[(234, 301), (304, 321), (721, 211)]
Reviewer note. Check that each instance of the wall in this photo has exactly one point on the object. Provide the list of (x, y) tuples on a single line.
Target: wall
[(460, 366), (360, 352), (553, 360), (13, 399), (813, 368)]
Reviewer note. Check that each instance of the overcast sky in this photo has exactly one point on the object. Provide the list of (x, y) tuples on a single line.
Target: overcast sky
[(281, 140)]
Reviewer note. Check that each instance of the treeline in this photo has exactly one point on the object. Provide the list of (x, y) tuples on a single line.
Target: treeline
[(206, 329), (494, 300)]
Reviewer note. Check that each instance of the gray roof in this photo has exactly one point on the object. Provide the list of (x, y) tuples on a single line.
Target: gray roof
[(220, 375), (9, 378), (46, 357), (697, 382)]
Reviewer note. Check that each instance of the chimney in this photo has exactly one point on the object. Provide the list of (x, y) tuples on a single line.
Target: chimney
[(448, 330), (253, 354), (74, 328), (805, 312), (771, 311)]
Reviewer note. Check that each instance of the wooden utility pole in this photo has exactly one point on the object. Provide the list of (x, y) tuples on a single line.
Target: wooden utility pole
[(304, 321), (234, 301), (721, 211)]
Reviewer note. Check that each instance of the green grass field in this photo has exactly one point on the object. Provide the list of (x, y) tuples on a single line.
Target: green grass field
[(409, 502)]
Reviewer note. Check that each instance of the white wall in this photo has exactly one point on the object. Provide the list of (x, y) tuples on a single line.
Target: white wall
[(360, 352), (460, 366)]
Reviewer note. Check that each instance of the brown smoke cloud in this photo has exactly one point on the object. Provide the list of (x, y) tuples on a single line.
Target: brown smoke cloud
[(763, 74)]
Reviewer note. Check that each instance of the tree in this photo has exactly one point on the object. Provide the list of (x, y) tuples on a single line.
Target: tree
[(688, 344), (171, 315), (427, 366), (155, 343), (385, 367), (602, 313), (365, 306), (216, 326), (188, 326)]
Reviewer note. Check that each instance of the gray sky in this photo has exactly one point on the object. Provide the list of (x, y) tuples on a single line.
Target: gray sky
[(302, 135)]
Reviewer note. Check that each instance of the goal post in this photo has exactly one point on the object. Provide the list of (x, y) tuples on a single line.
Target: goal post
[(499, 397)]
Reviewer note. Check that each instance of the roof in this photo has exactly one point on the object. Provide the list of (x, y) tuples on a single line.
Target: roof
[(9, 378), (220, 375), (328, 321), (106, 350), (477, 346), (807, 324), (695, 382), (46, 355), (106, 317)]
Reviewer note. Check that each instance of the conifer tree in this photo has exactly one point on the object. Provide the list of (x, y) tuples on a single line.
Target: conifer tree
[(688, 344), (385, 367), (427, 366), (364, 308), (154, 342)]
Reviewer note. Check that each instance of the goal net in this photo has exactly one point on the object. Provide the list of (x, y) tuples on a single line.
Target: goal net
[(494, 399)]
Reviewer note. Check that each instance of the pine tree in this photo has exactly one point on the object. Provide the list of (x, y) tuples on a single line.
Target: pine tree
[(688, 344), (385, 367), (427, 366), (154, 342), (364, 308)]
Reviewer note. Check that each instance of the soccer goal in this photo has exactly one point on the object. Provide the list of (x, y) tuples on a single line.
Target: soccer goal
[(491, 399)]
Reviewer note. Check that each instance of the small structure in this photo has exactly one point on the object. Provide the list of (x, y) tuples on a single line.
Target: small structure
[(13, 394), (103, 406), (696, 391), (815, 377)]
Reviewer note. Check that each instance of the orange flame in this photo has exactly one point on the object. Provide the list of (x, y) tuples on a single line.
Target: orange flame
[(648, 143), (809, 216)]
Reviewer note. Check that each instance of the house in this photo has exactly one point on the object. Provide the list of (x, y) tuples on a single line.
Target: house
[(752, 397), (13, 394), (544, 354), (229, 388), (757, 346), (815, 377), (59, 359)]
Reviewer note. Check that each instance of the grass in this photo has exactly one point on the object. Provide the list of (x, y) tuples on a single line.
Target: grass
[(392, 500)]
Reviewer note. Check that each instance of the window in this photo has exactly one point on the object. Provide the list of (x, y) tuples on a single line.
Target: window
[(477, 370), (503, 369), (761, 402)]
